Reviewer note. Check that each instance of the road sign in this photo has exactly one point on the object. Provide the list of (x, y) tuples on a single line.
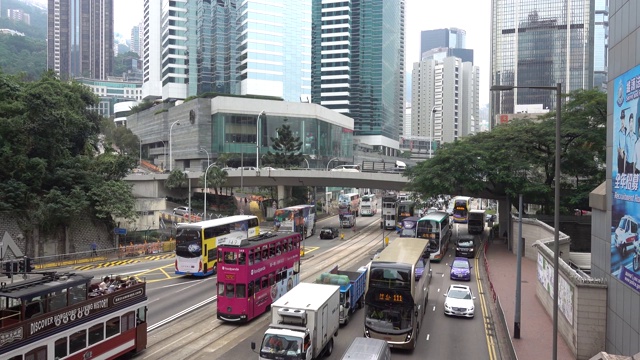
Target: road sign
[(120, 231)]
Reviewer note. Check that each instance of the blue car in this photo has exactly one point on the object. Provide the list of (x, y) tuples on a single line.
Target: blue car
[(461, 269)]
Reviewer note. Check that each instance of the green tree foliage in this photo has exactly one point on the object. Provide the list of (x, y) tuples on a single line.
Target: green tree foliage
[(23, 55), (122, 62), (177, 179), (286, 149), (120, 138), (38, 19), (519, 157), (216, 178), (52, 170)]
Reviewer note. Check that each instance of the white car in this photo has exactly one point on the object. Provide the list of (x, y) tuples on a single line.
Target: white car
[(459, 301), (347, 168), (181, 210)]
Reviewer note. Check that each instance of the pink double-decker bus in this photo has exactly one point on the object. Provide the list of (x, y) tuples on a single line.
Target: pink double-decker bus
[(255, 272)]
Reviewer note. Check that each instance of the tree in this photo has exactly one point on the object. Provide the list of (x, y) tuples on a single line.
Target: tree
[(176, 179), (123, 61), (287, 150), (216, 178), (519, 157)]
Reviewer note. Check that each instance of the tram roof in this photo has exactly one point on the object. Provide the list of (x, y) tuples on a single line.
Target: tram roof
[(259, 240), (436, 215)]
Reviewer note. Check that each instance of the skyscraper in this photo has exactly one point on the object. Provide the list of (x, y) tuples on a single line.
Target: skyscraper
[(80, 38), (151, 50), (539, 43), (358, 66), (136, 39), (452, 41), (248, 48), (601, 44)]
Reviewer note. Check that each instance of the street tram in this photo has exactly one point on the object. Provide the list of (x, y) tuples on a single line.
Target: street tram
[(255, 272), (65, 316), (396, 299)]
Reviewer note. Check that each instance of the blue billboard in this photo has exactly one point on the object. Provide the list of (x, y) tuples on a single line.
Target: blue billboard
[(625, 174)]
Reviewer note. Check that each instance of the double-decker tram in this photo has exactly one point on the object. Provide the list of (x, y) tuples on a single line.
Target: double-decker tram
[(461, 209), (436, 228), (65, 316), (255, 272), (405, 209), (368, 205), (389, 206), (396, 298), (196, 242), (300, 218)]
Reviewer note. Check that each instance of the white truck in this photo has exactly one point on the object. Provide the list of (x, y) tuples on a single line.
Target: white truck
[(303, 323)]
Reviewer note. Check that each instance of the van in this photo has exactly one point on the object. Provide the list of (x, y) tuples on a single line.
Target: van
[(347, 168), (367, 349)]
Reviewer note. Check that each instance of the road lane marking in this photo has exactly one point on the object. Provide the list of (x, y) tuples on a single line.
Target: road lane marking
[(491, 346), (427, 337), (185, 311), (164, 347)]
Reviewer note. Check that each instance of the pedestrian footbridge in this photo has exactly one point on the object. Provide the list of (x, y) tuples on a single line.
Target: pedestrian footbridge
[(152, 185)]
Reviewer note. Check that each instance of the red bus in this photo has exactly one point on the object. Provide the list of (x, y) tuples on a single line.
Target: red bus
[(255, 272), (64, 316)]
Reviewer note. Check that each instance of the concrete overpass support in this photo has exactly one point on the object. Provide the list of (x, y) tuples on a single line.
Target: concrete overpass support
[(504, 217), (284, 192)]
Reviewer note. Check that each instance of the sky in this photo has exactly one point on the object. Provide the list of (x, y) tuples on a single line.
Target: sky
[(473, 16)]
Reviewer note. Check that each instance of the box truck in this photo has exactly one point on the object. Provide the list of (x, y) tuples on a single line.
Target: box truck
[(476, 222), (303, 323), (352, 285)]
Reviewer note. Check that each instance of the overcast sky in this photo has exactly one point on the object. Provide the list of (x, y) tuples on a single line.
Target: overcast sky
[(470, 15)]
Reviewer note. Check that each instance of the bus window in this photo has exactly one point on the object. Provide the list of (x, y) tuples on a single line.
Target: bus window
[(257, 287), (220, 289), (272, 279), (96, 333), (265, 252), (250, 289), (240, 290), (220, 257), (230, 257), (60, 348), (77, 341), (264, 282), (253, 222), (278, 276), (242, 258), (289, 246), (251, 257), (258, 256), (296, 267), (229, 292), (211, 254), (278, 248), (272, 250), (113, 327)]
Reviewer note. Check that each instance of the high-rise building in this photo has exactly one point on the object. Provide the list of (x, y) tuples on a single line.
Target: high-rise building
[(358, 66), (445, 105), (19, 15), (80, 38), (452, 42), (136, 39), (151, 50), (601, 44), (249, 48), (539, 43)]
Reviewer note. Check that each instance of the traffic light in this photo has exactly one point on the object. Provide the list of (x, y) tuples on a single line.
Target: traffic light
[(21, 266), (10, 267), (28, 264)]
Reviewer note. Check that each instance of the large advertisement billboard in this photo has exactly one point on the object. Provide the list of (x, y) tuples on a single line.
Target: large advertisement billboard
[(625, 207)]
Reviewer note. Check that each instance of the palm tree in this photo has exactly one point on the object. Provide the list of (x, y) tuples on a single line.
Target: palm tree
[(216, 178), (176, 179)]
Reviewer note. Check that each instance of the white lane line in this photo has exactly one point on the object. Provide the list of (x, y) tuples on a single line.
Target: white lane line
[(434, 308), (427, 337), (185, 311), (164, 347)]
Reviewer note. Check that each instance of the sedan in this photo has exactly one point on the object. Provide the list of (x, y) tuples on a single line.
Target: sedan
[(459, 301), (328, 232), (460, 269), (181, 210)]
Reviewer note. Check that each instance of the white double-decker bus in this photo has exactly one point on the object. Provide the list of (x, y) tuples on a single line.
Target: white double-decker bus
[(368, 205)]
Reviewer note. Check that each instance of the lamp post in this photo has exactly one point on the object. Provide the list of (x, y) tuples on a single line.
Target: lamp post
[(203, 150), (177, 122), (433, 111), (189, 181), (556, 210), (206, 186), (258, 139), (140, 141), (307, 161), (330, 162)]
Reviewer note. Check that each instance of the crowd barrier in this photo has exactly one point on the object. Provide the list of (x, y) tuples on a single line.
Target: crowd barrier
[(133, 250)]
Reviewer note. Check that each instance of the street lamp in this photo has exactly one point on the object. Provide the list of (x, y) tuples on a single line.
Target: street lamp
[(307, 161), (433, 111), (556, 214), (258, 139), (205, 151), (177, 122), (206, 186), (330, 162)]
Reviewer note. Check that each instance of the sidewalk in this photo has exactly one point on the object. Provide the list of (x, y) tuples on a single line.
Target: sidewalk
[(536, 326)]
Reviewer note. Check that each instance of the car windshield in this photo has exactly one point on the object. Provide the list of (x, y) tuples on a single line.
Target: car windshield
[(326, 230), (459, 294), (460, 264), (465, 243)]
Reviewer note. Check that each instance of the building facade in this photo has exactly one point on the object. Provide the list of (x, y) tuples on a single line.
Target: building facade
[(540, 43), (136, 39), (151, 50), (112, 91), (445, 104), (601, 44), (452, 42), (228, 125), (229, 47), (358, 66), (80, 38), (19, 15)]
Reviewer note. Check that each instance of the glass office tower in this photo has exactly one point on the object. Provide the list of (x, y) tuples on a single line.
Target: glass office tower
[(540, 43)]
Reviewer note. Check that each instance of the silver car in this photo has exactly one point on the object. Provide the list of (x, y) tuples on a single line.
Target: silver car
[(182, 210), (459, 301)]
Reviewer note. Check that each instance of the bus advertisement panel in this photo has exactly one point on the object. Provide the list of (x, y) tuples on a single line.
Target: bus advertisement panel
[(396, 297), (461, 209), (196, 242), (256, 272), (369, 205), (299, 218), (349, 204), (389, 205), (436, 228), (67, 316)]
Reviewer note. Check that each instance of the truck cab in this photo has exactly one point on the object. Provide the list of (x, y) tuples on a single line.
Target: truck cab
[(348, 221)]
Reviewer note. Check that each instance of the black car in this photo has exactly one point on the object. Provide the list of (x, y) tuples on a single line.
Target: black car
[(466, 246), (328, 232)]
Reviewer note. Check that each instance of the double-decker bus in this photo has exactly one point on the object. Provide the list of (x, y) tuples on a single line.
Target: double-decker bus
[(436, 228), (300, 218), (349, 204), (63, 316), (396, 298), (368, 205), (461, 209), (389, 205), (196, 242), (406, 208), (408, 226), (255, 272)]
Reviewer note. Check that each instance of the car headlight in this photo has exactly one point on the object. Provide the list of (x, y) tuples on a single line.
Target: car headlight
[(446, 306)]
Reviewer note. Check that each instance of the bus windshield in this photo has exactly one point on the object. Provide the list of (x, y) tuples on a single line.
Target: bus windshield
[(426, 227), (390, 278), (389, 313), (189, 243)]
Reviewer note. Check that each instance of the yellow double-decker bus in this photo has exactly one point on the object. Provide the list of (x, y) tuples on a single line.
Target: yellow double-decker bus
[(196, 243), (397, 292)]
